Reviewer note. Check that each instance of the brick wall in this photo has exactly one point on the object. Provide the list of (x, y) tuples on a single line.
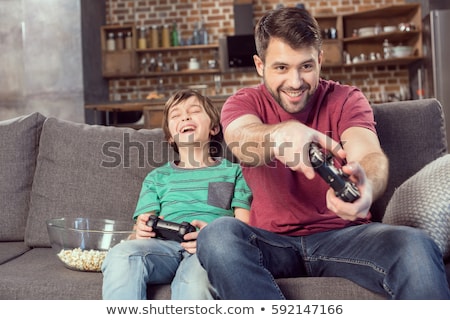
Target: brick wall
[(377, 83)]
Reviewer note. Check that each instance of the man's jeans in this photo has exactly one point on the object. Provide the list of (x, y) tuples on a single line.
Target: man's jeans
[(399, 262), (131, 265)]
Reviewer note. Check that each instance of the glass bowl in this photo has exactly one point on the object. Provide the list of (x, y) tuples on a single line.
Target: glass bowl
[(82, 243)]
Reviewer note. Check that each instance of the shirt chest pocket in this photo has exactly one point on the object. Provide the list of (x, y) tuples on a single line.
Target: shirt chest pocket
[(220, 194)]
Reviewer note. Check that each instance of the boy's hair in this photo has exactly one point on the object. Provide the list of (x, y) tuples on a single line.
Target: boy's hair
[(213, 113), (295, 26)]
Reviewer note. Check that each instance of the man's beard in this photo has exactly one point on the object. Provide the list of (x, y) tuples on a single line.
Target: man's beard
[(305, 89)]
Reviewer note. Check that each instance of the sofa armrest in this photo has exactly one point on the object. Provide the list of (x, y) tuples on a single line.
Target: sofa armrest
[(412, 134)]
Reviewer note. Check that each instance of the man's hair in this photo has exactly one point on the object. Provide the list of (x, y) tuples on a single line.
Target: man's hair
[(295, 26), (213, 113)]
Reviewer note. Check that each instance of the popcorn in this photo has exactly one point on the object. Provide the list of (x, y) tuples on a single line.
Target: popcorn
[(84, 260)]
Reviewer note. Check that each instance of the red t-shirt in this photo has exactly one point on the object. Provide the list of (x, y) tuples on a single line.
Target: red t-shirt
[(285, 201)]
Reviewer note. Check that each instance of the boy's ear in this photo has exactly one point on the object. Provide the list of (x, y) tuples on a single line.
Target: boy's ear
[(215, 130)]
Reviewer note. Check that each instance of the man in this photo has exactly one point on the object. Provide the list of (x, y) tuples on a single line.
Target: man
[(298, 226)]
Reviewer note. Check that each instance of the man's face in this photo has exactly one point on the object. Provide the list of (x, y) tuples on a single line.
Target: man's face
[(290, 75)]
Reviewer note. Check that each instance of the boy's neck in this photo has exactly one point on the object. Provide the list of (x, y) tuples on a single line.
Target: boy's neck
[(195, 158)]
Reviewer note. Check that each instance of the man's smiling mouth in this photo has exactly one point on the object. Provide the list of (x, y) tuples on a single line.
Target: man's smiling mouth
[(294, 94)]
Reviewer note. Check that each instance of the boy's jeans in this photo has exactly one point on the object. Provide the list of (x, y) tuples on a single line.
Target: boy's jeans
[(398, 262), (131, 265)]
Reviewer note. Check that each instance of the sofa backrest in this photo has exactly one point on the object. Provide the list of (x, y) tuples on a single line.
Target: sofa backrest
[(90, 171), (19, 143), (412, 134)]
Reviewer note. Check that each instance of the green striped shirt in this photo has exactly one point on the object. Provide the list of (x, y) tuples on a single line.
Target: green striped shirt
[(204, 194)]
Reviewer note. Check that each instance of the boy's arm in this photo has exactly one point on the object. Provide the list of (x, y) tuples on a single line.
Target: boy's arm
[(242, 214)]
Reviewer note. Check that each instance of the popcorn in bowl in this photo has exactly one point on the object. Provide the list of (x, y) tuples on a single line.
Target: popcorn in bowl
[(83, 243)]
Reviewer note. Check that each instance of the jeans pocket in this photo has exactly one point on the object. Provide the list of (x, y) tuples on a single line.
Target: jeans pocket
[(220, 194)]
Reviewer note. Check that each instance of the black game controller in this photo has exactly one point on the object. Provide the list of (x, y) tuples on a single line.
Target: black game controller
[(169, 230), (344, 189)]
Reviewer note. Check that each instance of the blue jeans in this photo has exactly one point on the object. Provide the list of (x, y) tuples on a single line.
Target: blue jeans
[(399, 262), (131, 265)]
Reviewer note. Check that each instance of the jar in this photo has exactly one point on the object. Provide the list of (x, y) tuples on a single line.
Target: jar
[(165, 36), (142, 42), (155, 37), (119, 41), (194, 64), (110, 43), (128, 41)]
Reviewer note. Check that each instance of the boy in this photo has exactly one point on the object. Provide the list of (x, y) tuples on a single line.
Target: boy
[(198, 189)]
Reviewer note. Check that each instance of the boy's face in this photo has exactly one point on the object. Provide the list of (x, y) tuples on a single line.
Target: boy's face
[(290, 75), (189, 123)]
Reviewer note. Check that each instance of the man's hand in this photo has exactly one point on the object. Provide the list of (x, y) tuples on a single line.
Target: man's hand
[(292, 140), (359, 208), (190, 245)]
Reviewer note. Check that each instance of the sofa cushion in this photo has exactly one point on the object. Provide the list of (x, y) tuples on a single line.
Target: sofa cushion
[(90, 171), (38, 274), (423, 201), (407, 148), (18, 151), (12, 249)]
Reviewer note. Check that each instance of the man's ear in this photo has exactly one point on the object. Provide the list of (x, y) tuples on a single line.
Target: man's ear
[(259, 64), (320, 58)]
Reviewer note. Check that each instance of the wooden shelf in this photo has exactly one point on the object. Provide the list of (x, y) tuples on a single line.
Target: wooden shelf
[(372, 63), (125, 63), (180, 48), (185, 72), (396, 36)]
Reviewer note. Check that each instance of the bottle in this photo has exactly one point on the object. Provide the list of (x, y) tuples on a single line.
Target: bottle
[(128, 41), (203, 34), (160, 63), (387, 49), (195, 35), (110, 43), (155, 37), (119, 41), (165, 36), (142, 43), (175, 40)]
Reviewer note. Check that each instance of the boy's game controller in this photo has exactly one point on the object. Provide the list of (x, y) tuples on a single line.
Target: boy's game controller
[(169, 230), (344, 189)]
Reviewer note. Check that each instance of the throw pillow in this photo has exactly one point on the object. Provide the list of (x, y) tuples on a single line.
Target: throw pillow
[(423, 201), (18, 151), (90, 171)]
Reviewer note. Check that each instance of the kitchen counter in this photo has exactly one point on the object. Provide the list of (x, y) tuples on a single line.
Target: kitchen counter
[(152, 109)]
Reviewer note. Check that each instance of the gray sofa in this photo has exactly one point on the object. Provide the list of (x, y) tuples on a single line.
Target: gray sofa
[(53, 168)]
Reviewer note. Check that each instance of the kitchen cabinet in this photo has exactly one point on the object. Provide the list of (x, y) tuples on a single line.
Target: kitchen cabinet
[(357, 38), (134, 62), (331, 26), (169, 55), (364, 33), (118, 61), (348, 40)]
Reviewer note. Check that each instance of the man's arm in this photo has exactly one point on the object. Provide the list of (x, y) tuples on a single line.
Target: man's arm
[(368, 167), (256, 143), (362, 146)]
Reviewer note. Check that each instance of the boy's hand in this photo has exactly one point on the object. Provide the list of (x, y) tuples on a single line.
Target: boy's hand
[(142, 230), (190, 245)]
